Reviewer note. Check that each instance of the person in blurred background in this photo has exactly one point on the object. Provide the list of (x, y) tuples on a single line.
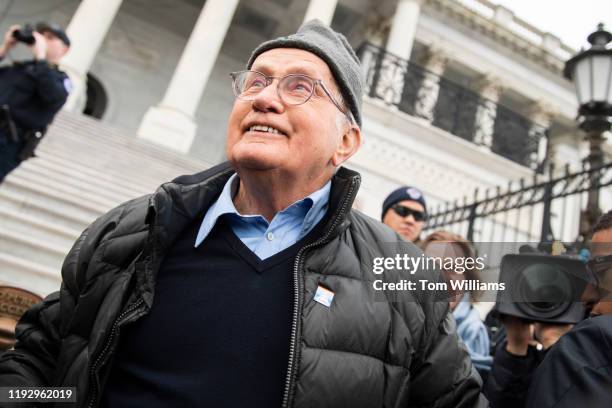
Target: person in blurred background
[(31, 92), (470, 327), (597, 297), (405, 211), (517, 358), (575, 357), (577, 371)]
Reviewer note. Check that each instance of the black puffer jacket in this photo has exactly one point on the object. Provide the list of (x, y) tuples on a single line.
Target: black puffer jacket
[(358, 353)]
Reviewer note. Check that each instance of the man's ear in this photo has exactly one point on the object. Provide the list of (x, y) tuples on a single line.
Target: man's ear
[(348, 146)]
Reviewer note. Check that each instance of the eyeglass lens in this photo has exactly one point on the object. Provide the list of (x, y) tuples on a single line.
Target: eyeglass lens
[(294, 89), (598, 269)]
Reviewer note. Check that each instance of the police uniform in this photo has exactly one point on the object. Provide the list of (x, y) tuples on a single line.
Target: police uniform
[(34, 92)]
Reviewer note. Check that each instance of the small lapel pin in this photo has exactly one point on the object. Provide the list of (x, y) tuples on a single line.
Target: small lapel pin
[(324, 296)]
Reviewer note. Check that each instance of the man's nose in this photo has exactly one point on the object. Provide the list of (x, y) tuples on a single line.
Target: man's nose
[(268, 100)]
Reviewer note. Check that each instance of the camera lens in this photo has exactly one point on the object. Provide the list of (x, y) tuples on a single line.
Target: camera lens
[(544, 289)]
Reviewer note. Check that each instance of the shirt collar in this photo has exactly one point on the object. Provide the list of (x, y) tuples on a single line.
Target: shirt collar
[(319, 201), (307, 208), (223, 205)]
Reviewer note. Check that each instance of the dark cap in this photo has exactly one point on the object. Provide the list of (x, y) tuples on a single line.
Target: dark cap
[(333, 48), (55, 29), (401, 194)]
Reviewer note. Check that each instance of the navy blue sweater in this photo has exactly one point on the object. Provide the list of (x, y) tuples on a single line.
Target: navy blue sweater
[(218, 332)]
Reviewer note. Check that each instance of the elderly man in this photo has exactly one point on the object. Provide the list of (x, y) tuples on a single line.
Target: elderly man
[(31, 92), (249, 284)]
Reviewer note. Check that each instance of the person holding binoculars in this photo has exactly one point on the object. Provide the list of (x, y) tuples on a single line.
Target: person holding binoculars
[(31, 91)]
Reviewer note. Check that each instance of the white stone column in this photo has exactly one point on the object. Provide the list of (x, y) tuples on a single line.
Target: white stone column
[(171, 123), (376, 30), (489, 89), (403, 28), (399, 44), (322, 10), (566, 150), (87, 30), (427, 96), (541, 115)]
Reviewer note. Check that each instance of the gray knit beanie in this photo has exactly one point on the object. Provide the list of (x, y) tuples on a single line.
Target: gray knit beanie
[(331, 47)]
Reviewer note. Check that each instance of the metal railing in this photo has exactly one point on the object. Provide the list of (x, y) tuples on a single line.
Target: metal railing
[(526, 211), (450, 106)]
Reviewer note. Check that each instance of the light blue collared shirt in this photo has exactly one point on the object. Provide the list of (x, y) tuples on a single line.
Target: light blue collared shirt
[(266, 239)]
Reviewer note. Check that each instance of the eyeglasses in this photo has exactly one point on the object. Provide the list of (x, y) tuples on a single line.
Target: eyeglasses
[(292, 89), (597, 268), (403, 212)]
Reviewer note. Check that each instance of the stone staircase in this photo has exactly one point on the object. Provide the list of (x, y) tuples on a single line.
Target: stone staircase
[(83, 169)]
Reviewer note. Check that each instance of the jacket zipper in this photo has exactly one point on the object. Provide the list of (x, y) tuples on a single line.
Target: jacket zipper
[(95, 365), (297, 299)]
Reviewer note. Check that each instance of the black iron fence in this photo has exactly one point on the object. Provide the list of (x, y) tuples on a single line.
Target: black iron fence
[(543, 209), (450, 106)]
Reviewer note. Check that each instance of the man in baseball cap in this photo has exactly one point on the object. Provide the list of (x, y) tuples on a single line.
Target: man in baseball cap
[(405, 211), (55, 30), (31, 91), (250, 283)]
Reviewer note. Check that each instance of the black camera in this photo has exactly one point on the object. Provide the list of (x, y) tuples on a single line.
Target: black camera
[(25, 35), (542, 288)]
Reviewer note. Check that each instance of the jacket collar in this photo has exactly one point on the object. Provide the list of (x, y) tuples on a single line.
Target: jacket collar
[(177, 203)]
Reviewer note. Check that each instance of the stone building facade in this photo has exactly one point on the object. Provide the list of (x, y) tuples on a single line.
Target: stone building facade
[(461, 94)]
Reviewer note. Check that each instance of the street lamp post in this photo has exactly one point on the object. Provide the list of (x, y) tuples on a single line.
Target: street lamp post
[(591, 72)]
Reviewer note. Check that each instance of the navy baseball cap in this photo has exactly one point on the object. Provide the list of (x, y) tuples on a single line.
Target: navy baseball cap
[(403, 193), (56, 30)]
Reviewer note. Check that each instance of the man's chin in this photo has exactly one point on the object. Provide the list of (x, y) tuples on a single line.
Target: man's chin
[(407, 235), (255, 162), (256, 157)]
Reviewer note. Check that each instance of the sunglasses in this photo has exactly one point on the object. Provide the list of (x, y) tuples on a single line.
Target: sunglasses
[(405, 211), (597, 268)]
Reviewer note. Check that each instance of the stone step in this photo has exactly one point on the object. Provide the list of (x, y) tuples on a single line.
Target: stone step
[(84, 168), (80, 125), (72, 190), (60, 202), (91, 187), (36, 228), (33, 250), (41, 209), (74, 132), (15, 271), (118, 160), (128, 184), (133, 169)]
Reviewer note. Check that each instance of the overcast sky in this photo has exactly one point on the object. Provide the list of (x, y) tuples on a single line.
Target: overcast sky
[(570, 20)]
